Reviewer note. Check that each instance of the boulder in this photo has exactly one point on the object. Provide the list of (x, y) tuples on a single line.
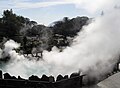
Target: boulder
[(59, 77)]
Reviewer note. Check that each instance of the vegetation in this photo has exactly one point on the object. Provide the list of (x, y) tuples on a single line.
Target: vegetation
[(30, 34), (11, 24)]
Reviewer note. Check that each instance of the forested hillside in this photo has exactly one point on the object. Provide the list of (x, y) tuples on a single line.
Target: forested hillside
[(30, 34)]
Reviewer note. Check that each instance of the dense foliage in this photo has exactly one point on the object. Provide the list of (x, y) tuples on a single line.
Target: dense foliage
[(30, 34), (11, 24)]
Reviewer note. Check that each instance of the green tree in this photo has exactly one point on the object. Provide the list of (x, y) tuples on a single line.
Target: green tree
[(11, 24)]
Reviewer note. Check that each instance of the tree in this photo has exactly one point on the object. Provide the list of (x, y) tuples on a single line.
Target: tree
[(67, 28), (11, 24)]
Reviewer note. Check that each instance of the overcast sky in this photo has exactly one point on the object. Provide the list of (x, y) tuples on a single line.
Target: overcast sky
[(48, 11)]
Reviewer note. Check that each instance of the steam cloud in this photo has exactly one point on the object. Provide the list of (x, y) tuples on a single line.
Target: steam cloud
[(94, 52)]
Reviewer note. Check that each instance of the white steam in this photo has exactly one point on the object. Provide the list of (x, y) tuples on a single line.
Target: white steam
[(93, 6), (95, 50)]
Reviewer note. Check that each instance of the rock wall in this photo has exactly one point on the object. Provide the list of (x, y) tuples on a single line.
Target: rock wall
[(8, 81)]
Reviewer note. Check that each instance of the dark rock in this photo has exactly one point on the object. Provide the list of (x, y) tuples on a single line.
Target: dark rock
[(66, 77), (19, 78), (74, 75), (0, 74), (59, 77), (13, 77), (69, 83), (35, 78), (45, 78), (51, 79), (45, 82), (7, 76)]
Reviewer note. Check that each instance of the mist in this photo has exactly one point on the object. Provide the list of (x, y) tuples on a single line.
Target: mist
[(94, 52)]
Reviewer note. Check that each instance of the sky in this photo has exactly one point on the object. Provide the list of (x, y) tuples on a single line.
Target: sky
[(47, 11)]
